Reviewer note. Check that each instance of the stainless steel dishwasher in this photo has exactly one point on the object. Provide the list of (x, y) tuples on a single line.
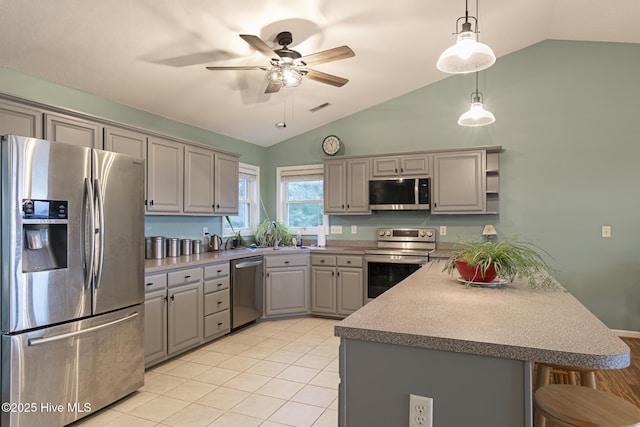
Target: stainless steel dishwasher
[(246, 291)]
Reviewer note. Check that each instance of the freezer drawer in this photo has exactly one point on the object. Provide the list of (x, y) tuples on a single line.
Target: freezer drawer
[(54, 376)]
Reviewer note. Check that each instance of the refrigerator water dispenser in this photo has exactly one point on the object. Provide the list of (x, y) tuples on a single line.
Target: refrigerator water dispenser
[(44, 231)]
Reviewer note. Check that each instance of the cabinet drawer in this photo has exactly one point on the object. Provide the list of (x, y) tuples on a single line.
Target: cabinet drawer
[(323, 260), (286, 261), (182, 277), (155, 282), (217, 324), (214, 285), (216, 270), (349, 261), (216, 302)]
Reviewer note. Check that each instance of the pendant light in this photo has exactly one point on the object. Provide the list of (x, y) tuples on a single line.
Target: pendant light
[(467, 55), (477, 115)]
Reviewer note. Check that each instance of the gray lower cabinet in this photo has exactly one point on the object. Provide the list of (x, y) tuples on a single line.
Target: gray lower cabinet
[(336, 284), (72, 130), (185, 311), (286, 285), (217, 301), (20, 120), (155, 319)]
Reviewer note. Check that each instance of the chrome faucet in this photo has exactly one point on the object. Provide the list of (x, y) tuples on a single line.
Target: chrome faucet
[(276, 241)]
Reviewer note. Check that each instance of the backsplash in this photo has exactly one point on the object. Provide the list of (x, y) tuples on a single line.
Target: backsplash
[(181, 226)]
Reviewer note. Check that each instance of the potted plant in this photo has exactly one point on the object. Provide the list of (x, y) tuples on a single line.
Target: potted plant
[(237, 240), (264, 234), (505, 259)]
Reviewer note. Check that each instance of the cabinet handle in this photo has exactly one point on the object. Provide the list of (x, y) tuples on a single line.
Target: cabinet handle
[(322, 261), (219, 284), (348, 206), (219, 302), (218, 205), (145, 202), (338, 273), (187, 277), (152, 203), (268, 274), (286, 262), (149, 284), (349, 261), (219, 323), (166, 299), (342, 206), (173, 297), (401, 170), (219, 271), (332, 273)]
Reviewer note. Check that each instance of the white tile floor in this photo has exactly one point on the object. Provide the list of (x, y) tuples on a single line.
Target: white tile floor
[(276, 373)]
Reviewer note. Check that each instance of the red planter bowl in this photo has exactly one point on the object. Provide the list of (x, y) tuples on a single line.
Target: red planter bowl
[(472, 274)]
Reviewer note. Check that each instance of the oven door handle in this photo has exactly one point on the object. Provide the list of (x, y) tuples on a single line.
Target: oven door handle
[(395, 259)]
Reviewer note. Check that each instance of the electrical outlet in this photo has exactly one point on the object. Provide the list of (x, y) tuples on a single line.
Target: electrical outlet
[(205, 231), (443, 230), (420, 411), (606, 231), (354, 229), (336, 229)]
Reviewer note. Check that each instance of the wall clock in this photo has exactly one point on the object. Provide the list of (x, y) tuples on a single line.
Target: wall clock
[(331, 145)]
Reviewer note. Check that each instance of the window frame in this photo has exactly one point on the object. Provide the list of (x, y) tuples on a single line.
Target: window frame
[(246, 170), (281, 203)]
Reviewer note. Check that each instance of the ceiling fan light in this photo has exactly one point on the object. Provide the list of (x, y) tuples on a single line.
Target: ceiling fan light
[(466, 56), (476, 116), (285, 75)]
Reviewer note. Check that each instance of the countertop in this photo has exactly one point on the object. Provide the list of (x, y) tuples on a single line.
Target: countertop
[(158, 265), (432, 310)]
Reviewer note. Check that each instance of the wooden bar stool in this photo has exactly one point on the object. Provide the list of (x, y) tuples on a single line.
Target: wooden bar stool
[(564, 375), (570, 406)]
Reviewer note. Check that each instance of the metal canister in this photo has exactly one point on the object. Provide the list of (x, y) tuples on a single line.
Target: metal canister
[(197, 246), (185, 246), (173, 247), (155, 247)]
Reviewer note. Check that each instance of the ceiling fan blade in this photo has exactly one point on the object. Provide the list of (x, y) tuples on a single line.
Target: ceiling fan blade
[(273, 87), (259, 45), (325, 78), (334, 54), (242, 67)]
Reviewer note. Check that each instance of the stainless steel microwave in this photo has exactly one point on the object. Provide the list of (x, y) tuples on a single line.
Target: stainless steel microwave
[(399, 194)]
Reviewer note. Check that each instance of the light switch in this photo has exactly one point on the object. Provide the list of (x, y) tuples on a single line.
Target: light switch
[(336, 229), (606, 231), (354, 229)]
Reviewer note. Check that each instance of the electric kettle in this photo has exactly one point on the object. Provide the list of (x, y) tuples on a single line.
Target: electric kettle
[(215, 242)]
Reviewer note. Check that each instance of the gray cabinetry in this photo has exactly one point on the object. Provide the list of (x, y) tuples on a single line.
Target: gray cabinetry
[(346, 186), (20, 120), (72, 130), (336, 284), (226, 184), (155, 319), (286, 285), (125, 141), (217, 315), (185, 311), (198, 180), (164, 175), (405, 165), (459, 182)]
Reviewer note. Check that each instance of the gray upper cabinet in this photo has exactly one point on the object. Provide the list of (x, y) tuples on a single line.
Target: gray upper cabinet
[(198, 180), (165, 163), (72, 130), (125, 141), (459, 182), (20, 120), (346, 186), (405, 165), (226, 184)]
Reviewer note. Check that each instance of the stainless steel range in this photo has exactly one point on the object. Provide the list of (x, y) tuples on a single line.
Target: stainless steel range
[(400, 253)]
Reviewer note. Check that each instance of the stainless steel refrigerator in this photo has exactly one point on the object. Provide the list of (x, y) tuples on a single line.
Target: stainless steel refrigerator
[(72, 241)]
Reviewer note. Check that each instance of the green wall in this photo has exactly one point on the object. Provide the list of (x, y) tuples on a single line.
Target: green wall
[(565, 117)]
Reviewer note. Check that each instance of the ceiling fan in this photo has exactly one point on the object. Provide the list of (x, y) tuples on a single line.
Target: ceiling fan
[(288, 67)]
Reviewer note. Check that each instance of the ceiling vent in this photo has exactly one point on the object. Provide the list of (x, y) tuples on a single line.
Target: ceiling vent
[(319, 107)]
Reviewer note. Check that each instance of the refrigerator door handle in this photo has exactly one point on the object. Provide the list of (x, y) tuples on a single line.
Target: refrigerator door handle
[(101, 232), (92, 233), (37, 341)]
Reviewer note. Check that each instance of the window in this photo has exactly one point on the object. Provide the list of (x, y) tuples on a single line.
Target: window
[(300, 202), (248, 202)]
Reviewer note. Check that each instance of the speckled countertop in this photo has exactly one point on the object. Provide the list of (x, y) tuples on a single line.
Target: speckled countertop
[(159, 265), (432, 310)]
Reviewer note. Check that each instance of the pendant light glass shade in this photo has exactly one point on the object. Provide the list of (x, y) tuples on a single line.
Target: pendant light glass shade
[(285, 74), (466, 56), (477, 115)]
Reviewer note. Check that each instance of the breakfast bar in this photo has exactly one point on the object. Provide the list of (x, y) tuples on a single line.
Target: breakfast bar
[(470, 349)]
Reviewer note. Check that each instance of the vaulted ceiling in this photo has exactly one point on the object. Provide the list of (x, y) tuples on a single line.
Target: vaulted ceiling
[(151, 54)]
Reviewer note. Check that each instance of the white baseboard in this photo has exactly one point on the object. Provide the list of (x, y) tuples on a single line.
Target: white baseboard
[(628, 334)]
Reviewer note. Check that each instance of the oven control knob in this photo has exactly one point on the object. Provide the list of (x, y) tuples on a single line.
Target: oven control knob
[(429, 233), (381, 233), (388, 233), (422, 233)]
